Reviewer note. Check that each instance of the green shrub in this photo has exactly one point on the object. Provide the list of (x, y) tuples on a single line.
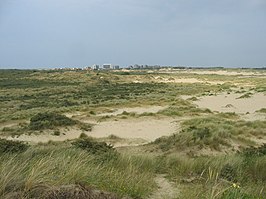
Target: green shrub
[(83, 135), (9, 146), (255, 151), (56, 133), (49, 120), (92, 113), (85, 127), (92, 146), (104, 152)]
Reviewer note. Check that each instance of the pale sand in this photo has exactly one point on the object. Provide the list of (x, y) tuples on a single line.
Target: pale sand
[(135, 131), (219, 72), (185, 80), (230, 103), (146, 128)]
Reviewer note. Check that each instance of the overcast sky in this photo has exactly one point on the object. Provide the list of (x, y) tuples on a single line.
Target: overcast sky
[(56, 33)]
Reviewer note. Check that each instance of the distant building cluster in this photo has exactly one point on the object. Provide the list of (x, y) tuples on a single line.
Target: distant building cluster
[(93, 67), (112, 67), (134, 67)]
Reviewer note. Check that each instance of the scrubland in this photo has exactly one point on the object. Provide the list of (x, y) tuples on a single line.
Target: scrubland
[(111, 134)]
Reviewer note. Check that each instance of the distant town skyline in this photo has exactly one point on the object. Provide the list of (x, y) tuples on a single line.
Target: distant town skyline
[(78, 33)]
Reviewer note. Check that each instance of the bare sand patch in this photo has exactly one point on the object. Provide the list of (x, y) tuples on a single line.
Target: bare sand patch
[(130, 132), (133, 131), (232, 103), (226, 72), (145, 128), (186, 80), (65, 134)]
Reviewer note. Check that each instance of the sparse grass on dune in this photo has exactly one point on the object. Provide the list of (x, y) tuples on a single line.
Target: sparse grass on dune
[(218, 132), (183, 110)]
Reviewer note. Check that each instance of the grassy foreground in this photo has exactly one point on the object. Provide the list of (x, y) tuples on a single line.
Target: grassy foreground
[(34, 171)]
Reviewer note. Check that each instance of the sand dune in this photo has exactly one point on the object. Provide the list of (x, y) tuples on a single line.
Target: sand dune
[(232, 103)]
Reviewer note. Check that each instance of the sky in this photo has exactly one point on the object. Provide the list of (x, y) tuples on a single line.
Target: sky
[(77, 33)]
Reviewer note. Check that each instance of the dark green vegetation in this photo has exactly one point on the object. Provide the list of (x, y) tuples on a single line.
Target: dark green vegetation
[(49, 121), (93, 147), (8, 146)]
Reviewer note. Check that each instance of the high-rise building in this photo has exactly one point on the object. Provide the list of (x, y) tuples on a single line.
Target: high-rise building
[(95, 67), (107, 66)]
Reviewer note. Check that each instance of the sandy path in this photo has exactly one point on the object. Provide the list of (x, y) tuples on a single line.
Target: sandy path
[(166, 189)]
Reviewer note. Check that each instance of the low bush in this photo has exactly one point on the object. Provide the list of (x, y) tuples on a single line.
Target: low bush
[(85, 127), (254, 151), (49, 120), (83, 135), (9, 146), (56, 133), (92, 146)]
